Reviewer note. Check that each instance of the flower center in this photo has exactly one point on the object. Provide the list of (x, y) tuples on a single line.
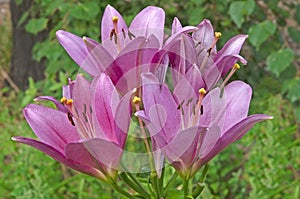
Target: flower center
[(82, 121)]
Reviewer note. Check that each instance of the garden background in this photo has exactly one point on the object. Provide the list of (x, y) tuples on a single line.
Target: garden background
[(264, 164)]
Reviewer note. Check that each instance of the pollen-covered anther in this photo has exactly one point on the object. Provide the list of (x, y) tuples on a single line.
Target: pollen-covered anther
[(69, 102), (218, 34), (236, 66), (202, 91), (115, 19), (63, 100), (136, 100)]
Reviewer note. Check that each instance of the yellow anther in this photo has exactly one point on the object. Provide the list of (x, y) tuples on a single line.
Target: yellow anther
[(136, 100), (218, 34), (69, 102), (202, 91), (63, 100), (115, 19), (236, 66)]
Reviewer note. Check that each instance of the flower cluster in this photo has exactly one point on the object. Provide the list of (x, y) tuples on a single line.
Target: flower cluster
[(171, 85)]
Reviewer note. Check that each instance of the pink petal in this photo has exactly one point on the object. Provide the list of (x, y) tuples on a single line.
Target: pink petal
[(150, 21), (160, 107), (237, 95), (204, 36), (60, 157), (107, 23), (105, 100), (232, 47), (50, 126), (98, 153)]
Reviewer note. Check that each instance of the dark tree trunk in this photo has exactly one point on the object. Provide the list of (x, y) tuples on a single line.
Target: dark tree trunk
[(22, 64)]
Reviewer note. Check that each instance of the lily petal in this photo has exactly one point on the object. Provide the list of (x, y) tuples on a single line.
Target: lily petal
[(58, 105), (106, 99), (226, 63), (50, 126), (150, 21), (134, 59), (73, 44), (204, 36), (58, 156), (107, 24), (233, 134), (160, 107), (232, 47), (176, 25), (97, 153), (237, 96), (183, 147), (97, 55)]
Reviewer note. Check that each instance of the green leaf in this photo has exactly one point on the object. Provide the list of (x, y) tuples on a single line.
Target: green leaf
[(239, 9), (297, 112), (259, 33), (34, 26), (86, 11), (18, 2), (294, 33), (292, 87), (297, 13), (278, 61)]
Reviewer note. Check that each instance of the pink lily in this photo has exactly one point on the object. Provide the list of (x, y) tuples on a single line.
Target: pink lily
[(188, 135), (87, 132)]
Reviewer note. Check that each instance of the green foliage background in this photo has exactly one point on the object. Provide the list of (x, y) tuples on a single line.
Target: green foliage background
[(264, 164)]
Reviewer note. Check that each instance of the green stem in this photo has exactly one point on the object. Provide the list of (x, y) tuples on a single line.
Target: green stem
[(161, 181), (201, 184), (171, 182), (185, 188), (135, 185), (120, 190), (154, 182)]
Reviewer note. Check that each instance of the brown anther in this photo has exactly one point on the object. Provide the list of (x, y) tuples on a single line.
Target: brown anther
[(123, 31), (70, 118)]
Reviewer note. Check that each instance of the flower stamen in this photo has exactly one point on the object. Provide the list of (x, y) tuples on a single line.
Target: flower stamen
[(217, 37), (235, 67), (199, 107)]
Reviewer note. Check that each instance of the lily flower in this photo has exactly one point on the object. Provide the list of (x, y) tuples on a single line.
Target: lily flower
[(115, 36), (86, 132), (199, 52), (190, 130)]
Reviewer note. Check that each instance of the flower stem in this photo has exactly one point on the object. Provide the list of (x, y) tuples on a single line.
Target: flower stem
[(185, 188), (120, 190), (161, 180), (200, 186), (155, 183), (171, 182), (135, 185)]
